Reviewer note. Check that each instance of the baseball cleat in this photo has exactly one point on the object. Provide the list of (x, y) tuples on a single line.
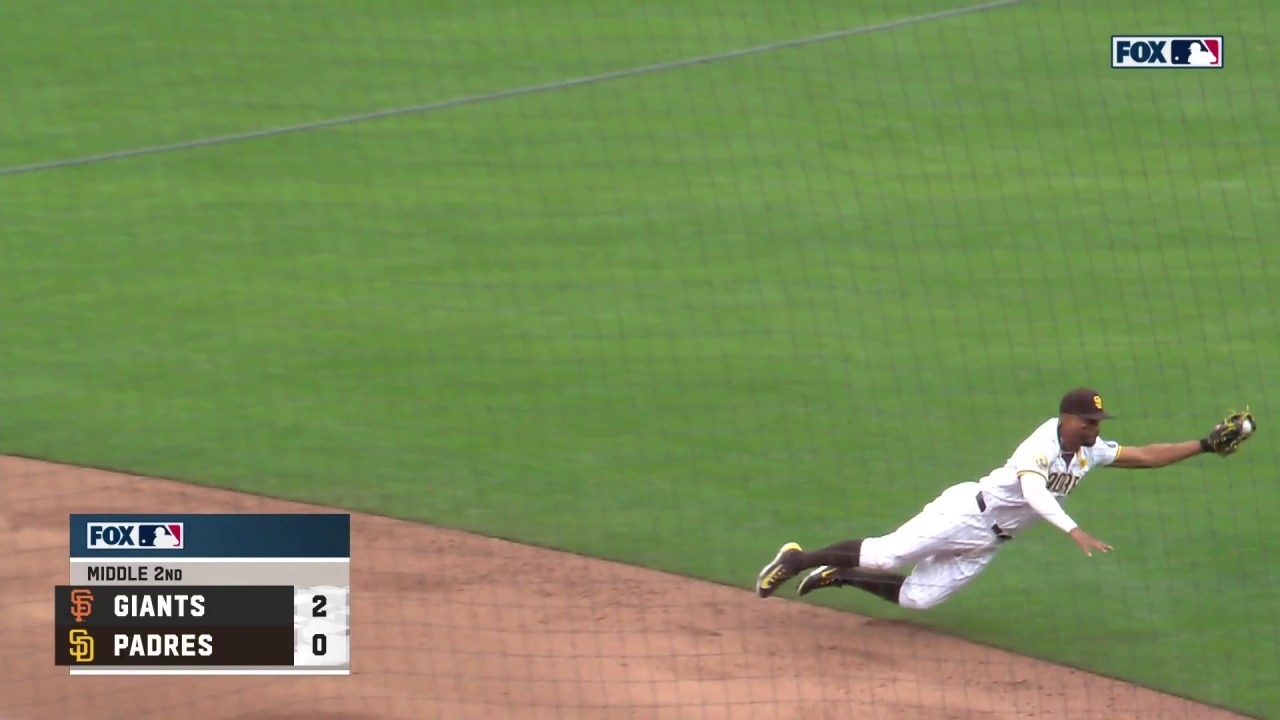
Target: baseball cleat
[(776, 572), (824, 576)]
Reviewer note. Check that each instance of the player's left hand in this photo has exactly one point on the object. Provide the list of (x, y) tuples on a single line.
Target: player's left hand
[(1226, 436)]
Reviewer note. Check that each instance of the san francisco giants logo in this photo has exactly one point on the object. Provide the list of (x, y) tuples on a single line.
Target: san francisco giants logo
[(81, 604), (1062, 483), (81, 645)]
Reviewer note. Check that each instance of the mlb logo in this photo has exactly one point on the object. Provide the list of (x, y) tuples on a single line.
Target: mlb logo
[(136, 536), (1178, 52)]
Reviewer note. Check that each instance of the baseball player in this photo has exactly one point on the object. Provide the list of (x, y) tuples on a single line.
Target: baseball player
[(957, 534)]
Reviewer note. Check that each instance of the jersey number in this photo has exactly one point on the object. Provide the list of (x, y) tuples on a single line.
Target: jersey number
[(1062, 483)]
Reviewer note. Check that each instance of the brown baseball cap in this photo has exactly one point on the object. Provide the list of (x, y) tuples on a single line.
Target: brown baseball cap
[(1084, 402)]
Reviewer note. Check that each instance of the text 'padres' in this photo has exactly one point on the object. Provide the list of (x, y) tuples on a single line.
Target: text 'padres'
[(163, 645)]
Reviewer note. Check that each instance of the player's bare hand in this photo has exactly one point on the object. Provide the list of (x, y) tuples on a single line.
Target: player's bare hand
[(1089, 543)]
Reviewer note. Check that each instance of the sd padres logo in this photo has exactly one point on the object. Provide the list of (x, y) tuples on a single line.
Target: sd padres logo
[(81, 645)]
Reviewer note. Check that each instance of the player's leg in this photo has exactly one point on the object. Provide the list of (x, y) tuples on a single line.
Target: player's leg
[(906, 544), (944, 525), (916, 542), (934, 580), (882, 583)]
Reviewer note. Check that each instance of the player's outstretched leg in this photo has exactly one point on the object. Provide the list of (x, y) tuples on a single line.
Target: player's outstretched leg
[(791, 560), (881, 583), (933, 581)]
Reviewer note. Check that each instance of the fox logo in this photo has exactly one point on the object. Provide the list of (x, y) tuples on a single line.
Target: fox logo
[(1166, 51), (136, 536)]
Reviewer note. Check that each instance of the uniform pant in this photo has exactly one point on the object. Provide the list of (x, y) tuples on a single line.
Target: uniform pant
[(950, 541)]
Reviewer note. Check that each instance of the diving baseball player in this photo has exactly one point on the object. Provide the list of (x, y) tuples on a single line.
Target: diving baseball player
[(957, 534)]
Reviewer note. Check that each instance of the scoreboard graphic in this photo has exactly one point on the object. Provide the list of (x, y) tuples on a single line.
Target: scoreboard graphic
[(189, 594)]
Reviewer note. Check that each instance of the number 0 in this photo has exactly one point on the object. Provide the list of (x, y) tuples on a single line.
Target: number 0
[(318, 609), (319, 645)]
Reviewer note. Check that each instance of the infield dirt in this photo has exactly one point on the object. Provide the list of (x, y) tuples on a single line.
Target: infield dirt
[(454, 626)]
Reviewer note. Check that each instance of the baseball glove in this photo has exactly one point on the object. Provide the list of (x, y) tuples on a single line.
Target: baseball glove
[(1226, 437)]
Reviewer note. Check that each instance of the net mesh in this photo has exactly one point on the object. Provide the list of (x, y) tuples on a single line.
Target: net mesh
[(604, 301)]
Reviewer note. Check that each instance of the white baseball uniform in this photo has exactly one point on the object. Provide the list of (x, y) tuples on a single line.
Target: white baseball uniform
[(958, 533)]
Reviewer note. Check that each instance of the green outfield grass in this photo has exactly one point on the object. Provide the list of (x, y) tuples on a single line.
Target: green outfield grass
[(675, 319)]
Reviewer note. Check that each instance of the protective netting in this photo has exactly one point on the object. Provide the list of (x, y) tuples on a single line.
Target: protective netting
[(626, 295)]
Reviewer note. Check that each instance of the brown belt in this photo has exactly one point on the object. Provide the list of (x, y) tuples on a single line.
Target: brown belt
[(1000, 533)]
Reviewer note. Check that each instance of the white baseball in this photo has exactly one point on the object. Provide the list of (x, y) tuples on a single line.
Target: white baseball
[(1247, 428)]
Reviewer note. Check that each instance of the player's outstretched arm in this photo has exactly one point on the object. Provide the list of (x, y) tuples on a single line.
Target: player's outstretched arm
[(1157, 455), (1223, 440)]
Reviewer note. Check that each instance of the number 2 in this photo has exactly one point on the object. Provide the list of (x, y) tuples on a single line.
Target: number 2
[(318, 610), (319, 645)]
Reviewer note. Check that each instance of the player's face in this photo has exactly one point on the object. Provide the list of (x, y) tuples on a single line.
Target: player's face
[(1079, 431), (1089, 429)]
